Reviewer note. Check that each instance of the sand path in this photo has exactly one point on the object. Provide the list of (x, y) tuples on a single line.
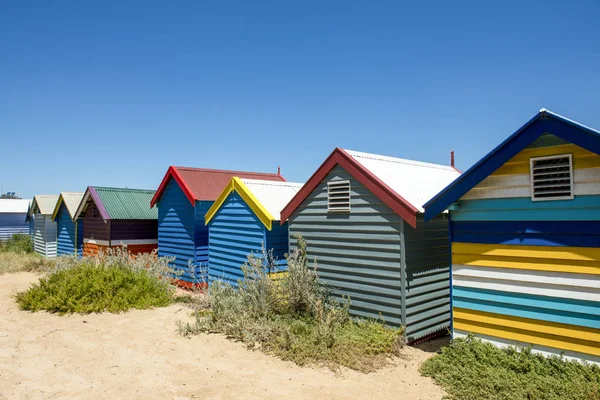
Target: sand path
[(140, 355)]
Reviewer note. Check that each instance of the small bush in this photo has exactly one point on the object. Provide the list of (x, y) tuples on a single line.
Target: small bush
[(18, 243), (114, 281), (469, 369), (294, 318)]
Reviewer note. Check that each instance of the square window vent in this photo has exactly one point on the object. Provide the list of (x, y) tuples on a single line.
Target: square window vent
[(551, 177), (338, 196)]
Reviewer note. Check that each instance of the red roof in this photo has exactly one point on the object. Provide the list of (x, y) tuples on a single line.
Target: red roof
[(206, 184)]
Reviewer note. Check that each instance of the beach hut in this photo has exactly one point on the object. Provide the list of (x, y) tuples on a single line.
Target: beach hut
[(114, 217), (13, 217), (526, 240), (69, 230), (361, 217), (183, 198), (44, 228), (245, 219)]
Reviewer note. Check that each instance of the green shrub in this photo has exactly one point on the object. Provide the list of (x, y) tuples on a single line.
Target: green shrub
[(113, 281), (469, 369), (294, 318), (18, 243)]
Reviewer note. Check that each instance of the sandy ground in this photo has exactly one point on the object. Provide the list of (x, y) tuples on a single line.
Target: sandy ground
[(140, 355)]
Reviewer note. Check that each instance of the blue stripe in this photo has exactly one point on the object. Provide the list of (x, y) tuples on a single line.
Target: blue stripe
[(541, 123), (581, 208), (544, 308), (529, 233)]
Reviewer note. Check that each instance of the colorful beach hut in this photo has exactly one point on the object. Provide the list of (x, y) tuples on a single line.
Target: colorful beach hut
[(69, 239), (115, 217), (362, 219), (44, 228), (526, 240), (13, 217), (183, 198), (245, 219)]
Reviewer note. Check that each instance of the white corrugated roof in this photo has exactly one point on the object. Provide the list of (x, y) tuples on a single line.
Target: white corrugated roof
[(72, 200), (45, 203), (415, 181), (273, 195), (14, 205)]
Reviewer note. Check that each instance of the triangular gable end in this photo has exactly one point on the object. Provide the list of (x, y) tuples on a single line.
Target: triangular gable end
[(339, 157), (173, 173), (236, 184), (543, 122), (90, 193)]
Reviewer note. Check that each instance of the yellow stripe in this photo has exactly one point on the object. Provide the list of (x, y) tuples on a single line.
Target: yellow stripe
[(236, 184), (519, 164), (550, 334), (580, 260)]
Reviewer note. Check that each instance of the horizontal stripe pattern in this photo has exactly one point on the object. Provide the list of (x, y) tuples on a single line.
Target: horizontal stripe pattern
[(529, 233), (545, 333), (543, 283), (519, 164), (585, 182), (532, 306), (579, 260), (580, 208)]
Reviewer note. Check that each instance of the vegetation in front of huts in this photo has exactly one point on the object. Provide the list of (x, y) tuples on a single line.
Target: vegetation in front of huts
[(293, 317), (112, 281), (469, 369), (16, 255)]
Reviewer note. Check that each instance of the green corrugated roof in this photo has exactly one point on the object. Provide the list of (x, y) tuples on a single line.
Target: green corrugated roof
[(127, 203)]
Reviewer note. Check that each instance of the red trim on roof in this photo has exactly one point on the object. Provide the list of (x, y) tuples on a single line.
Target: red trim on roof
[(206, 183), (339, 157), (172, 173)]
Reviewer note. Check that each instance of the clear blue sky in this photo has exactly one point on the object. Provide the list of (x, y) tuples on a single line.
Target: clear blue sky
[(113, 92)]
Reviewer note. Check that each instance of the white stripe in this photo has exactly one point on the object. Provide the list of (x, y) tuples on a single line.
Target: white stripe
[(586, 182), (546, 351), (133, 242), (543, 283), (94, 241)]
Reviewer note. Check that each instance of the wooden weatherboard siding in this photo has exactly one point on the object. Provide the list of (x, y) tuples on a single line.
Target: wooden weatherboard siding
[(201, 233), (389, 269), (176, 228), (359, 253), (44, 235), (234, 232), (427, 258), (67, 238), (526, 272)]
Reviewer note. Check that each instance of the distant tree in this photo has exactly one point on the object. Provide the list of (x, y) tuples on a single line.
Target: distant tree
[(9, 195)]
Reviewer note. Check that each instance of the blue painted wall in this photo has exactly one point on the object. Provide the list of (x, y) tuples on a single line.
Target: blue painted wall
[(234, 232), (66, 232), (13, 223), (176, 224), (201, 235), (278, 240)]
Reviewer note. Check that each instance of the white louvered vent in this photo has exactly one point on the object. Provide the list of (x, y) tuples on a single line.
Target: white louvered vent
[(338, 196), (552, 177)]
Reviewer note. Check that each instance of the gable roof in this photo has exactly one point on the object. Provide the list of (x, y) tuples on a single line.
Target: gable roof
[(265, 198), (543, 122), (206, 184), (401, 184), (45, 203), (119, 203), (71, 200), (19, 206)]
